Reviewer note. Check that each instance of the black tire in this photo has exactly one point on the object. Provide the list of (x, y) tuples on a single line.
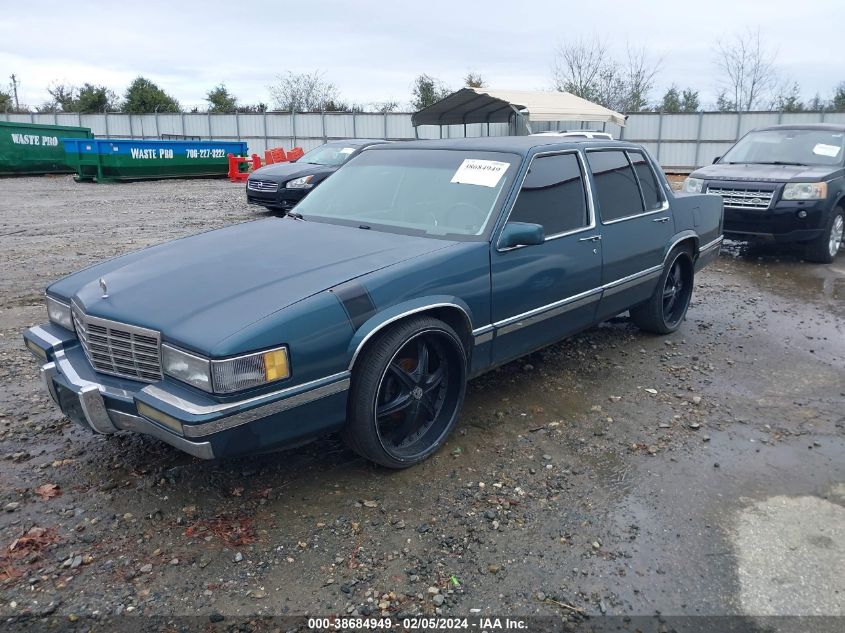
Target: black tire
[(824, 248), (419, 405), (665, 310)]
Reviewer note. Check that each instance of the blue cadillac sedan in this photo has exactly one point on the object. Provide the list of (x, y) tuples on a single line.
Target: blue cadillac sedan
[(415, 267)]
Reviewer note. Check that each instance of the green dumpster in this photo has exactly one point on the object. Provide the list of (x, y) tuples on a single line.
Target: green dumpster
[(110, 159), (30, 148)]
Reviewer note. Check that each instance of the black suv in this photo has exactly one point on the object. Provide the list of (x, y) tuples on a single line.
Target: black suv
[(784, 183)]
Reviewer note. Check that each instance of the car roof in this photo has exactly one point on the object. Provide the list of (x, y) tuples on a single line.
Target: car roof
[(356, 142), (522, 145), (826, 127)]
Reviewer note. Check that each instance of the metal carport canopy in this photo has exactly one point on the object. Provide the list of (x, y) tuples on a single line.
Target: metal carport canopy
[(480, 105)]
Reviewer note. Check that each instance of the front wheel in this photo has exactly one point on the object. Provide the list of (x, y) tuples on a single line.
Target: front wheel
[(666, 308), (407, 390), (824, 248)]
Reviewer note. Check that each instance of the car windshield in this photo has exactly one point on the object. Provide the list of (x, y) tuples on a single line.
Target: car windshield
[(436, 192), (788, 147), (329, 155)]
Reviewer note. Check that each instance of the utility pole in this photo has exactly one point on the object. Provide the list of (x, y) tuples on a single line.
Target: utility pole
[(15, 90)]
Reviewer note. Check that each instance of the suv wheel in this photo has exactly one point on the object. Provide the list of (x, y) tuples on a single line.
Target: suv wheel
[(825, 247)]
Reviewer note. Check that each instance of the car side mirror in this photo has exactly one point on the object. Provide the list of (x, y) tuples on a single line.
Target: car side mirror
[(522, 234), (716, 160)]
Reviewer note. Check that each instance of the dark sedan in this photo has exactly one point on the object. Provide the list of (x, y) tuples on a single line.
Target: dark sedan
[(282, 185)]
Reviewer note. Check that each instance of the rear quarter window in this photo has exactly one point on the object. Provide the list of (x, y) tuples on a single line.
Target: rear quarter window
[(649, 184)]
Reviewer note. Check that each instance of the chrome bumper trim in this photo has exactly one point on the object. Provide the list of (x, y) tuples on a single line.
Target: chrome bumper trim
[(238, 419), (54, 342), (194, 408), (48, 373), (137, 424), (94, 409)]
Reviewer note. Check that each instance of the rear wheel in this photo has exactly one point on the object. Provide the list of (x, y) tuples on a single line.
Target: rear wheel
[(824, 248), (666, 308), (407, 390)]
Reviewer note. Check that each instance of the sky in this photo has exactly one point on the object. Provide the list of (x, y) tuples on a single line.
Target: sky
[(373, 49)]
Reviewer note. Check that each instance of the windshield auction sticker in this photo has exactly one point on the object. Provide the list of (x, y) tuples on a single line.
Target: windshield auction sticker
[(486, 173), (823, 149)]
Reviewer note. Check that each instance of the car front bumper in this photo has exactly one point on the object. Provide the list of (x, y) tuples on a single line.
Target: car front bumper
[(192, 422), (282, 199), (779, 223)]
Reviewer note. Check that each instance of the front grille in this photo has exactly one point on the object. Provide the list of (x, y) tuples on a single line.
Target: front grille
[(262, 185), (119, 349), (743, 198)]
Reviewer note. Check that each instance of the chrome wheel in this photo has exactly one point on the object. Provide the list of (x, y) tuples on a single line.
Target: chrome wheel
[(418, 395), (836, 232)]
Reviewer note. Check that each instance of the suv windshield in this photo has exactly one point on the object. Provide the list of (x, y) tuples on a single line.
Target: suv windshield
[(329, 155), (433, 192), (789, 147)]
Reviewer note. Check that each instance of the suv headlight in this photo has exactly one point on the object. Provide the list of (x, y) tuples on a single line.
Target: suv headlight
[(693, 185), (59, 313), (805, 191), (226, 376), (305, 182)]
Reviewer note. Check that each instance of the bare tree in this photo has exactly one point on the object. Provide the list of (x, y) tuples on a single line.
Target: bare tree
[(640, 72), (749, 71), (474, 80), (578, 66), (586, 68), (304, 92)]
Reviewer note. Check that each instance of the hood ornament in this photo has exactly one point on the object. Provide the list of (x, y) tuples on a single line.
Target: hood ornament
[(104, 288)]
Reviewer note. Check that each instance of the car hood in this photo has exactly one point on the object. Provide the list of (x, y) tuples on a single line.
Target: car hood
[(202, 289), (766, 173), (282, 172)]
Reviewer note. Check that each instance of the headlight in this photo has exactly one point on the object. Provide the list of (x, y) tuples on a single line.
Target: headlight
[(693, 185), (300, 183), (251, 370), (226, 376), (59, 313), (194, 370), (805, 191)]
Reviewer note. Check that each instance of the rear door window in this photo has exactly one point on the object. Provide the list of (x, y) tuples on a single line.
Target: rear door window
[(617, 189)]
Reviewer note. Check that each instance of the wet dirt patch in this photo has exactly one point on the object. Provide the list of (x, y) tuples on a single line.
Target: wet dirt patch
[(608, 472)]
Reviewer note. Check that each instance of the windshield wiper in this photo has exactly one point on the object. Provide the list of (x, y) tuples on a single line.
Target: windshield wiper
[(295, 215), (781, 162)]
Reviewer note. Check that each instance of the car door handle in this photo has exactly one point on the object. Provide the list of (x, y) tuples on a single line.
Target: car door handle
[(661, 220), (592, 238)]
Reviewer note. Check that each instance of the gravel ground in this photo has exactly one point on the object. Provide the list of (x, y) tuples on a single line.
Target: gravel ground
[(616, 473)]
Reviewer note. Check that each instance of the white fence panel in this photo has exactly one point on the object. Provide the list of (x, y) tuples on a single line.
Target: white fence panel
[(370, 125), (399, 126), (309, 126), (679, 141), (752, 120), (224, 126), (644, 126), (341, 126), (718, 126), (251, 126)]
